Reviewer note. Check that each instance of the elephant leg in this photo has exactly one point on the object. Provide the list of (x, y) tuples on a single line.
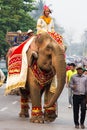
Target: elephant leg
[(50, 113), (24, 103), (36, 112), (24, 108)]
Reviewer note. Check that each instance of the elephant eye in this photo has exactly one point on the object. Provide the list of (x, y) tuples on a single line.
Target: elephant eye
[(49, 48), (49, 56)]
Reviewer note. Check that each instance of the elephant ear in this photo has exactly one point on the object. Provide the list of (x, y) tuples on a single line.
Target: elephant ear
[(31, 57)]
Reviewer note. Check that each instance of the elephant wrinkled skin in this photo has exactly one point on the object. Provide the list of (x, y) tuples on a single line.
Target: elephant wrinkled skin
[(45, 59)]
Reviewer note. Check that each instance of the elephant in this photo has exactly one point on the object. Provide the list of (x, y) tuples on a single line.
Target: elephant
[(46, 60)]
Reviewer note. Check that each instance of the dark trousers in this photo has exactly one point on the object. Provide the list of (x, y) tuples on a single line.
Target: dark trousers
[(79, 103)]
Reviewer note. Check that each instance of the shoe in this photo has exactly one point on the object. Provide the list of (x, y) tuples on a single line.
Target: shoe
[(69, 106), (77, 126), (82, 127)]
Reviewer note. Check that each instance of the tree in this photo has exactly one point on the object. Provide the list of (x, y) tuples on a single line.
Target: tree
[(39, 9), (14, 15)]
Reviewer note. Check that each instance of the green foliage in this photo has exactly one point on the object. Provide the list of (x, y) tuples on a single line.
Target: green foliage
[(14, 15), (39, 9)]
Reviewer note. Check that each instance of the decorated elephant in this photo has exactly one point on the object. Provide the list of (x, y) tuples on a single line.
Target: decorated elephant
[(44, 58)]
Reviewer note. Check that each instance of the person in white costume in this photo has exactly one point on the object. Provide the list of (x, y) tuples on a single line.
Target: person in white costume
[(45, 22)]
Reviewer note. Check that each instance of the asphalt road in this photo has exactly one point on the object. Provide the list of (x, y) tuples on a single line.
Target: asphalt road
[(10, 107)]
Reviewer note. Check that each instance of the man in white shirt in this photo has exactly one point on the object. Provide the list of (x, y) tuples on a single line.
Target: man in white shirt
[(78, 84)]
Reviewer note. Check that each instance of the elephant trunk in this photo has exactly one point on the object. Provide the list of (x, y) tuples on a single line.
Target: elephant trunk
[(60, 67)]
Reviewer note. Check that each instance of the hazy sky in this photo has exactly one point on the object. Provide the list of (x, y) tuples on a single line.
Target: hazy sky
[(70, 14)]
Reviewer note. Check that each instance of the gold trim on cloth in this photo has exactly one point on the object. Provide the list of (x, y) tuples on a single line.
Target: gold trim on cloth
[(18, 85), (39, 25)]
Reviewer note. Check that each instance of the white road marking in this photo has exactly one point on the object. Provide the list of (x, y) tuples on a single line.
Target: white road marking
[(14, 102), (3, 109)]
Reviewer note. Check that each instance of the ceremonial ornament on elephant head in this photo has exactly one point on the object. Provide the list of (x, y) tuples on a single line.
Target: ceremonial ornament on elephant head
[(42, 77)]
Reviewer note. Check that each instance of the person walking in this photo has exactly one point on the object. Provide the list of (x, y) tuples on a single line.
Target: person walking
[(78, 84), (45, 22), (2, 77), (69, 74), (85, 73)]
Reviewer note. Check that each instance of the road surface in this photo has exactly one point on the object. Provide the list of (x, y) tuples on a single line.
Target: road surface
[(10, 107)]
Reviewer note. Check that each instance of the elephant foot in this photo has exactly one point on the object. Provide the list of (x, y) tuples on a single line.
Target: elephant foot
[(37, 119), (50, 113), (24, 108), (24, 114), (50, 116), (37, 115)]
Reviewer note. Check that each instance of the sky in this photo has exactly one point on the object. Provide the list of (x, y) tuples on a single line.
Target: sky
[(70, 14)]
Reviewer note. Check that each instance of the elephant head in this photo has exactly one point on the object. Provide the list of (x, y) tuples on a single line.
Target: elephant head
[(50, 56)]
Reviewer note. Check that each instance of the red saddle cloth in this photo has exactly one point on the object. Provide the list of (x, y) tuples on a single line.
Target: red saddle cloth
[(17, 67)]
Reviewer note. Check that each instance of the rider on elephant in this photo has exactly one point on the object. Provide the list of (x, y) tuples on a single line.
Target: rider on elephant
[(45, 22)]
